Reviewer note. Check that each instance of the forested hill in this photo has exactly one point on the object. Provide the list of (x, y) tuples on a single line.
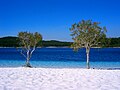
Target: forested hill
[(14, 42), (8, 42)]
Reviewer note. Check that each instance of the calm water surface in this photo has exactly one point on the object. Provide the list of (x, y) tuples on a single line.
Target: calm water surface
[(62, 58)]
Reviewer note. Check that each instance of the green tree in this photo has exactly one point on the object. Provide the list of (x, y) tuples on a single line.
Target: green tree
[(87, 34), (28, 42)]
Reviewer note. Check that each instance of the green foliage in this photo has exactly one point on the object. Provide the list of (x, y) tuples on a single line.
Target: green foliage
[(87, 34), (114, 42), (55, 43), (28, 39), (9, 42)]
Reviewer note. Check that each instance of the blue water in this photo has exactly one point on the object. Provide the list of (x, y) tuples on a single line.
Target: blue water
[(62, 58)]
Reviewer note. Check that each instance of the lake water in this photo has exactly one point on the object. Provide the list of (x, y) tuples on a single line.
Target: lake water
[(62, 58)]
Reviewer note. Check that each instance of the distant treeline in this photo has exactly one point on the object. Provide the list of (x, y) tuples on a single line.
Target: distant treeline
[(14, 42)]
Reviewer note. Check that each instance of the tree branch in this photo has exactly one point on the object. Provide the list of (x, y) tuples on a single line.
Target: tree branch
[(32, 51), (23, 54)]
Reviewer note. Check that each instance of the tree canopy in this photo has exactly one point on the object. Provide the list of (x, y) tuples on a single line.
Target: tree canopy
[(87, 34)]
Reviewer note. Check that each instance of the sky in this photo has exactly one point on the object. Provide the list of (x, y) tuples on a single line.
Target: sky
[(53, 18)]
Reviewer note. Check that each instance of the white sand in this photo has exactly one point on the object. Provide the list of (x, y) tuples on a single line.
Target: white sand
[(58, 79)]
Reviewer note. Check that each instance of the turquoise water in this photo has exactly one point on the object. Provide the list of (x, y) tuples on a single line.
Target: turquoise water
[(62, 58), (60, 64)]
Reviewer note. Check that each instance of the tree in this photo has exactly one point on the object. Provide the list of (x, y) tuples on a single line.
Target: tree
[(87, 34), (28, 42)]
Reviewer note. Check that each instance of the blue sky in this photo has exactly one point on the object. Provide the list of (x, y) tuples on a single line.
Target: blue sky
[(53, 18)]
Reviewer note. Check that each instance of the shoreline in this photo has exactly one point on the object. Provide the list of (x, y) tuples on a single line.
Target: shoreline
[(114, 68)]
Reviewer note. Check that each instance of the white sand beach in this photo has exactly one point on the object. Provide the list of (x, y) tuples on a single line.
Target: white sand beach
[(58, 79)]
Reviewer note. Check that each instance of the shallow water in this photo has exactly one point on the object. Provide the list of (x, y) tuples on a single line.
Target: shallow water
[(62, 58)]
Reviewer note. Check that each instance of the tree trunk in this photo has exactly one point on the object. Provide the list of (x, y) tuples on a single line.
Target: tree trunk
[(87, 53), (27, 63), (28, 59)]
